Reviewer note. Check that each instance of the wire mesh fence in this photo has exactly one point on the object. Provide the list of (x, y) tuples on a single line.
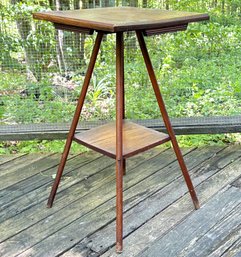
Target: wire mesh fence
[(42, 69)]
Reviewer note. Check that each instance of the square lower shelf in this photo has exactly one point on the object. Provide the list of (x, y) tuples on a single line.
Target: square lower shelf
[(136, 139)]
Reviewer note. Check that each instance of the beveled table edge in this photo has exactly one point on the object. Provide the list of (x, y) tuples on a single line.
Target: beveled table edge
[(112, 28)]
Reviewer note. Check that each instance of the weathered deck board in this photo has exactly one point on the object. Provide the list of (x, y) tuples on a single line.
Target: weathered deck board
[(38, 175), (87, 202), (225, 232), (234, 250), (160, 193), (18, 163), (186, 234), (154, 227), (10, 157), (37, 198), (157, 206)]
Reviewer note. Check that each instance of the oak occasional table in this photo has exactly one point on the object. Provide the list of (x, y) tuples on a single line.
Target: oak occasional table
[(121, 139)]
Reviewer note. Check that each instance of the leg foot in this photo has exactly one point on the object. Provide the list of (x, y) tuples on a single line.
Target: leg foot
[(119, 248), (166, 118)]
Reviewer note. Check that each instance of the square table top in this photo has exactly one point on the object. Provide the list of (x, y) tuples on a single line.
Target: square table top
[(117, 19)]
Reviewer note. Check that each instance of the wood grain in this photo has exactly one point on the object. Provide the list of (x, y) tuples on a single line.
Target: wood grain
[(136, 139), (19, 196), (117, 19), (158, 196), (18, 163), (195, 226), (84, 213), (81, 213), (7, 157), (209, 177), (82, 177)]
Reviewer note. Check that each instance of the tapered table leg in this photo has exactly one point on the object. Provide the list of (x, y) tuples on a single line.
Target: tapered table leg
[(76, 118), (166, 119), (119, 139), (123, 102)]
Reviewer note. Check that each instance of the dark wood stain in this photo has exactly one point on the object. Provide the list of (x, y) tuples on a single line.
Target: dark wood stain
[(117, 19), (136, 139)]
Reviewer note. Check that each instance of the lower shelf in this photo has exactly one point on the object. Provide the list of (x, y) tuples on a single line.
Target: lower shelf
[(136, 139)]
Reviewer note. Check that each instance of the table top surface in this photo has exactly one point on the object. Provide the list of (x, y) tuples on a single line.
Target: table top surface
[(117, 19)]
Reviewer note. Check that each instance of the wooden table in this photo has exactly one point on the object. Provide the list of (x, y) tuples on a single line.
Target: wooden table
[(121, 139)]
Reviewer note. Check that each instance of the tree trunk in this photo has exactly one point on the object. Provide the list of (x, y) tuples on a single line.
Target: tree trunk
[(52, 4), (60, 51), (215, 3), (77, 48), (24, 27), (134, 3), (68, 40), (223, 6), (144, 3), (5, 58), (55, 5), (124, 3)]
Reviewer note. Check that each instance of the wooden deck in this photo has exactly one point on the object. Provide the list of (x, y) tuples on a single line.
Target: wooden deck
[(159, 218)]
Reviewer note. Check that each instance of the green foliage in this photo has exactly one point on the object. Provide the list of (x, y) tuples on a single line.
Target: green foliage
[(21, 37), (37, 102), (211, 140), (198, 71), (44, 146)]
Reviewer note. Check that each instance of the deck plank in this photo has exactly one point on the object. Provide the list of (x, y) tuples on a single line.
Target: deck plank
[(68, 198), (157, 206), (31, 168), (195, 226), (73, 175), (225, 232), (40, 175), (18, 163), (205, 175), (161, 196), (234, 249), (107, 210), (79, 212), (9, 157), (21, 194)]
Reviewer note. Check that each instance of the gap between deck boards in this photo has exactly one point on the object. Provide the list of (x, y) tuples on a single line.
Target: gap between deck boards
[(88, 203)]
